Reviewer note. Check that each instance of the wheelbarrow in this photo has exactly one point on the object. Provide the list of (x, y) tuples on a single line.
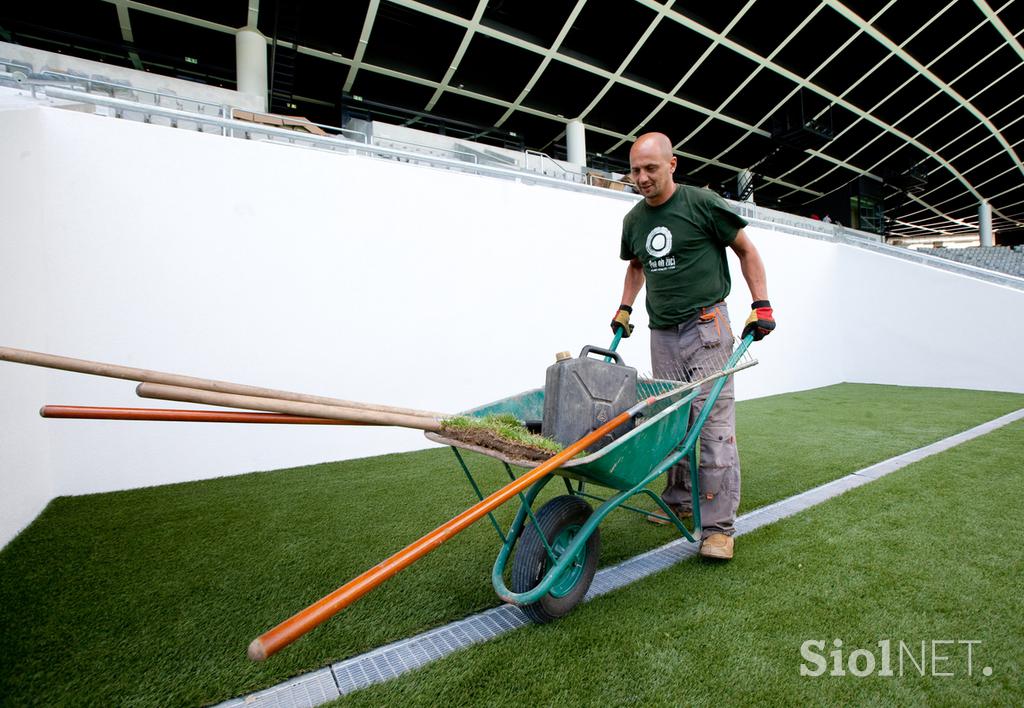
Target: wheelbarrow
[(555, 548)]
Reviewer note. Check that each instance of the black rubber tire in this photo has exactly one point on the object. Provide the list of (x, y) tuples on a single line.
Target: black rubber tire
[(531, 558)]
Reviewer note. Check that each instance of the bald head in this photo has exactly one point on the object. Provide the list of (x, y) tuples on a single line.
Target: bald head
[(652, 143), (651, 164)]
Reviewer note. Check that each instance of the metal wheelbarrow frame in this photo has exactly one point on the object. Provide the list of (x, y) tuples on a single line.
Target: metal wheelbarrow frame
[(563, 556)]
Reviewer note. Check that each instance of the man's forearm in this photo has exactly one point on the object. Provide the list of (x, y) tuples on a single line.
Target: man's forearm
[(753, 272), (751, 266), (633, 282)]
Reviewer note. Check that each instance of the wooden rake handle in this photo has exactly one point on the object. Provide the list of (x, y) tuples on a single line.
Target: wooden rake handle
[(316, 410), (96, 368), (187, 416)]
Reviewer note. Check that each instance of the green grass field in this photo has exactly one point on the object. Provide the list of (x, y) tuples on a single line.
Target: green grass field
[(150, 596)]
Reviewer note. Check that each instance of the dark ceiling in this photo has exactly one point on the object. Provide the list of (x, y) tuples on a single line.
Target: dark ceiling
[(919, 106)]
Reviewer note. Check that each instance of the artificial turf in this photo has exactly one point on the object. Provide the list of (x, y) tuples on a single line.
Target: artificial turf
[(927, 559), (150, 596)]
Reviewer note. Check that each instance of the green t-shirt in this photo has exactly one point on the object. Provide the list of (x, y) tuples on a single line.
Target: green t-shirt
[(681, 245)]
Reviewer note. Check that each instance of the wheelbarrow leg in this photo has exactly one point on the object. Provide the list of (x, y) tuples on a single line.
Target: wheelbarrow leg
[(691, 457)]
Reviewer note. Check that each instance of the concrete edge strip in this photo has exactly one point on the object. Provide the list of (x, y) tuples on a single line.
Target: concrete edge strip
[(391, 660)]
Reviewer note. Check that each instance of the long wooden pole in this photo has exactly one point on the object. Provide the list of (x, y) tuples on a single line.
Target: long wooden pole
[(276, 405), (189, 416), (291, 629), (96, 368)]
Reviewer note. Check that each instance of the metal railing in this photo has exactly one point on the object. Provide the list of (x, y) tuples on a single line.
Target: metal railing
[(456, 152), (567, 175), (811, 228), (92, 85)]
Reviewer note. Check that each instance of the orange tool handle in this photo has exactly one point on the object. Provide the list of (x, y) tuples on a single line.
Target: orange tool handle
[(294, 627), (105, 413)]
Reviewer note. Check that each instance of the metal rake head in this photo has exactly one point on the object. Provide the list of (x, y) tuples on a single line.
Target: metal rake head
[(708, 365)]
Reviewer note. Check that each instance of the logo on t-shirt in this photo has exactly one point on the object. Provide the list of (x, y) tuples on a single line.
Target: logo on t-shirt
[(659, 244)]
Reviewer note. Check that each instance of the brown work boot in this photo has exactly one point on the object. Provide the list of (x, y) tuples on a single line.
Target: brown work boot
[(718, 546), (684, 515)]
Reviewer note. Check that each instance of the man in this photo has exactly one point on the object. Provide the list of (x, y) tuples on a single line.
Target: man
[(675, 241)]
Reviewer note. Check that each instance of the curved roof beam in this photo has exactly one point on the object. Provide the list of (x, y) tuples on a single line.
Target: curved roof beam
[(821, 91), (689, 72), (1000, 27), (658, 17), (421, 81), (966, 150), (548, 54), (972, 147), (364, 41), (923, 71), (985, 139), (570, 60), (172, 15), (928, 229), (1011, 220), (474, 24), (618, 73), (998, 212), (796, 89), (127, 35), (942, 215), (878, 66), (948, 49), (643, 88), (757, 70), (921, 105)]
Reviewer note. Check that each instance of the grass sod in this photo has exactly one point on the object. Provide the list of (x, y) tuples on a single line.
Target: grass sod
[(502, 432), (903, 558), (150, 596)]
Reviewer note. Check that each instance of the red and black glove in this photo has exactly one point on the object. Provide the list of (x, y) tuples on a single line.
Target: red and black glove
[(761, 322), (621, 321)]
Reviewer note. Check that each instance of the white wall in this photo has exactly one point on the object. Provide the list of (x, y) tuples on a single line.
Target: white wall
[(920, 326), (362, 279)]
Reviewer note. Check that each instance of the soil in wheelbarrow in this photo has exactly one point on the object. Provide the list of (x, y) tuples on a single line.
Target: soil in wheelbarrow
[(502, 434)]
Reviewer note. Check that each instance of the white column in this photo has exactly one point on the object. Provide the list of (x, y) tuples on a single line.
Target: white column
[(251, 62), (576, 143), (985, 224)]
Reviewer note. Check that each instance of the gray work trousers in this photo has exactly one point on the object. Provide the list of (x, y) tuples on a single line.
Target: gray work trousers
[(688, 352)]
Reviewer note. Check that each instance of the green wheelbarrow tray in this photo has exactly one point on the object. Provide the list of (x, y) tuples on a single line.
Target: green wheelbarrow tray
[(618, 465)]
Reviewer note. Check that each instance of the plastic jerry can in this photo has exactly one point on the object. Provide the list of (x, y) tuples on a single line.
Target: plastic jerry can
[(582, 394)]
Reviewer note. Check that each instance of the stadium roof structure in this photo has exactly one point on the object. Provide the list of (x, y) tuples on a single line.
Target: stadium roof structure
[(917, 106)]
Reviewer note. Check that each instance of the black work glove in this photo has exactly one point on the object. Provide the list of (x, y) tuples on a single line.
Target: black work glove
[(761, 322), (621, 321)]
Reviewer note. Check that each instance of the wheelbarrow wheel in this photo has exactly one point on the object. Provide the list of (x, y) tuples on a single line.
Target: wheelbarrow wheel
[(560, 519)]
